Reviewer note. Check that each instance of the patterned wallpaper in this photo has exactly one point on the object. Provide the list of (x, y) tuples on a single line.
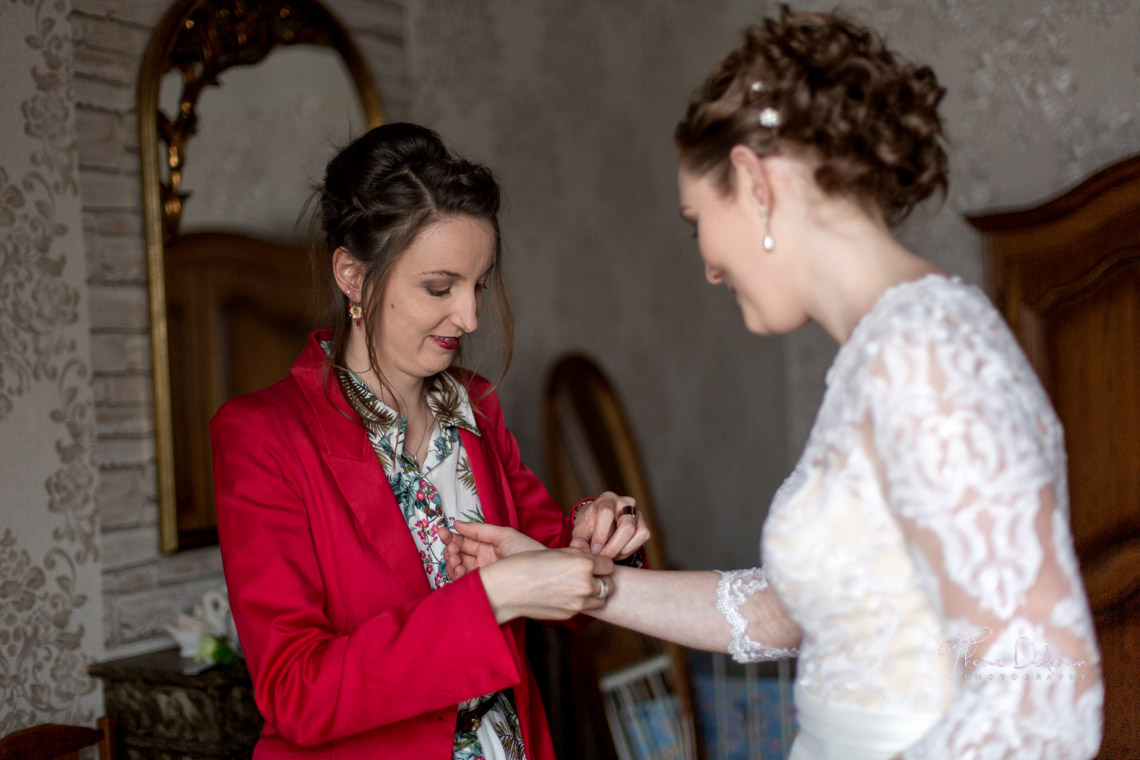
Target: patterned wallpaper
[(50, 597)]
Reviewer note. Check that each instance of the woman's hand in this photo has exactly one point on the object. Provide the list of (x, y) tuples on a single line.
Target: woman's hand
[(522, 577), (547, 584), (472, 545), (609, 526)]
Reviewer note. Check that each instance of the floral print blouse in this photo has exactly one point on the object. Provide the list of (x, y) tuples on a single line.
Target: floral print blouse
[(433, 493)]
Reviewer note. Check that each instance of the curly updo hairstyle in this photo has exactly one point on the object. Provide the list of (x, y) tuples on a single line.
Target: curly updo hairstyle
[(826, 88), (379, 193)]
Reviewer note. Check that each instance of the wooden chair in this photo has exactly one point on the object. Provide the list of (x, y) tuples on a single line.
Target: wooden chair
[(590, 448), (644, 713), (54, 741)]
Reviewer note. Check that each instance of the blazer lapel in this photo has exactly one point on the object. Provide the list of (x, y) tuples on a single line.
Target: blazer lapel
[(494, 495), (365, 488), (344, 446)]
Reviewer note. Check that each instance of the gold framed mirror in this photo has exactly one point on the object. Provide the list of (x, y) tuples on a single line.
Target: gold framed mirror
[(225, 303)]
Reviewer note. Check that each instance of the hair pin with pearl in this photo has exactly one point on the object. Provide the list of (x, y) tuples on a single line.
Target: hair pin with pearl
[(769, 117)]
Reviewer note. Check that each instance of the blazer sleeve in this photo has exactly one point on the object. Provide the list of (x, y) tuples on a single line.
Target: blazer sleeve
[(539, 515), (312, 682)]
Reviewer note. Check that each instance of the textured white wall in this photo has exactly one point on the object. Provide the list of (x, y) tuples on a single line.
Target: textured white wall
[(1039, 95), (573, 103)]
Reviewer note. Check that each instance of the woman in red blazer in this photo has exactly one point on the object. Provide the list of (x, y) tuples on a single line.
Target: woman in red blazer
[(335, 487)]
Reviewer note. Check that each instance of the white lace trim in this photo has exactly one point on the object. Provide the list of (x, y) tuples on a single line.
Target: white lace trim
[(734, 587)]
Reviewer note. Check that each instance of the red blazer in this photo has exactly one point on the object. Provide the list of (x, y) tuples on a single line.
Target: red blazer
[(351, 654)]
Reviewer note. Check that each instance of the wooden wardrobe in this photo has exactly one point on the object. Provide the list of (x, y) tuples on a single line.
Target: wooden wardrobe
[(1066, 275)]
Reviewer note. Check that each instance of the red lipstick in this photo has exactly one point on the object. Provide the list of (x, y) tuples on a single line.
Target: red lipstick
[(447, 344)]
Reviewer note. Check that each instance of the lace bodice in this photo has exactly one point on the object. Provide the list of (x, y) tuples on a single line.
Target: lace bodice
[(922, 541)]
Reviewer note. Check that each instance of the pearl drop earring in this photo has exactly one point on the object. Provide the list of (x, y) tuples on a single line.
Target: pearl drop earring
[(768, 243)]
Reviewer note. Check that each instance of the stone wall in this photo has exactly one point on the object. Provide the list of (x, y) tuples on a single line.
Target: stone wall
[(143, 590)]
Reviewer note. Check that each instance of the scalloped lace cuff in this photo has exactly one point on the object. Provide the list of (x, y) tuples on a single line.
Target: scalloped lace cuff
[(735, 586)]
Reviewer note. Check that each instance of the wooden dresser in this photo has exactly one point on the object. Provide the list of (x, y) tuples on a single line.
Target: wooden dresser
[(161, 713)]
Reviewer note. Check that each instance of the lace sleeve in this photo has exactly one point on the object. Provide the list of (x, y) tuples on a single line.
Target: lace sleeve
[(973, 466), (733, 593)]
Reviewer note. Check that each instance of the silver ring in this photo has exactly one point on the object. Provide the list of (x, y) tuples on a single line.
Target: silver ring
[(628, 509), (605, 588)]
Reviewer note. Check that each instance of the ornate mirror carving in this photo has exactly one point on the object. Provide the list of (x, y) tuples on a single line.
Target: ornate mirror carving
[(230, 289)]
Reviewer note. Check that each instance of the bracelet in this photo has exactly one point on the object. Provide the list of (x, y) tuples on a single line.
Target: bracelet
[(637, 559), (579, 505)]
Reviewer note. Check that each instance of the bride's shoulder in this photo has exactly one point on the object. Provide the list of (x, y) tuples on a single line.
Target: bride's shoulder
[(933, 329), (935, 312)]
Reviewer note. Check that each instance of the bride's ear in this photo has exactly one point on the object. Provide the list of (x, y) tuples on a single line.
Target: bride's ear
[(751, 175)]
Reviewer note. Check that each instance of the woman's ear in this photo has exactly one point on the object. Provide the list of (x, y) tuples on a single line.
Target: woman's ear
[(751, 175), (348, 273)]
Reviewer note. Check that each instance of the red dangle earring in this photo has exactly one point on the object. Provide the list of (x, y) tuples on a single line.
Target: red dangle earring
[(355, 311)]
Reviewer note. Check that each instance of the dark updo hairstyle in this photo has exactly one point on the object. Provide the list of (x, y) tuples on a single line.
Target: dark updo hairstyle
[(379, 193), (828, 89)]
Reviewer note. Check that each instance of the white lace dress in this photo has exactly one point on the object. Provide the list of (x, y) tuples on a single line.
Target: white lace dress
[(922, 545)]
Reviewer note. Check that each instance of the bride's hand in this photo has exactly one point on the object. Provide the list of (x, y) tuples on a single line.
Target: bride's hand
[(472, 545)]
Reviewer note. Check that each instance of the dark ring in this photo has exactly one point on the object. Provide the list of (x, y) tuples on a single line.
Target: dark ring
[(628, 509)]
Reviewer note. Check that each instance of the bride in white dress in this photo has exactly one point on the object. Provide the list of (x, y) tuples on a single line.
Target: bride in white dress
[(918, 559)]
